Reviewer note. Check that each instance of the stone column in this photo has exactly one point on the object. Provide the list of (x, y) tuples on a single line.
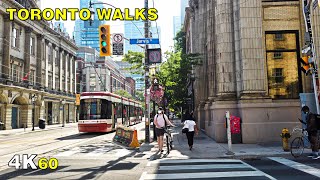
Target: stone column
[(71, 72), (8, 116), (26, 115), (75, 75), (27, 52), (251, 55), (225, 54), (46, 62), (61, 53), (237, 54), (211, 49), (6, 47), (39, 60), (67, 61), (53, 67)]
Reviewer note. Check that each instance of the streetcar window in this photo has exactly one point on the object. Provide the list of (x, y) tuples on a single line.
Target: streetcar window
[(95, 109)]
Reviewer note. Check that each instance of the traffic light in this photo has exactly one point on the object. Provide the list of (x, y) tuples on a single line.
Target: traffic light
[(305, 64), (104, 36)]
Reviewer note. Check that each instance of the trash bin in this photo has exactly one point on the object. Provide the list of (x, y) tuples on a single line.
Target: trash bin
[(42, 123)]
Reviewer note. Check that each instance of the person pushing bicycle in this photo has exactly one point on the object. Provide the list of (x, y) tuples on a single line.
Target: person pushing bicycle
[(160, 121), (312, 129)]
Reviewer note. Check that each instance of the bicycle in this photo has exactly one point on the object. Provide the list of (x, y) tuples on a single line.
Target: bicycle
[(169, 139), (299, 143)]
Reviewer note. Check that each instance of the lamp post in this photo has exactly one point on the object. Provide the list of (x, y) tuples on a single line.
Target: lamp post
[(33, 99), (63, 102)]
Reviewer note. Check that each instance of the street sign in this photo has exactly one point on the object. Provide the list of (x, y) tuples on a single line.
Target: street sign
[(117, 38), (117, 44), (117, 49), (144, 41)]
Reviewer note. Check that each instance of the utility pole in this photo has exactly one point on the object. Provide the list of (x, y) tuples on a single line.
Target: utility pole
[(314, 69), (146, 75)]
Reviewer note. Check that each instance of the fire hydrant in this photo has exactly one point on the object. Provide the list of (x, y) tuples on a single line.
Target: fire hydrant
[(285, 139)]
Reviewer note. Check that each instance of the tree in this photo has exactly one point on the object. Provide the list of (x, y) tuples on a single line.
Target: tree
[(139, 95), (174, 72), (135, 59), (123, 93)]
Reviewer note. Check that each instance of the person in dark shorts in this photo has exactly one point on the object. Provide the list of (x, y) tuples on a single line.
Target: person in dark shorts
[(160, 121), (312, 129)]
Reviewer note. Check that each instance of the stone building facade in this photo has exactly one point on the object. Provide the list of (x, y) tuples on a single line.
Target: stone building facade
[(249, 65), (37, 71)]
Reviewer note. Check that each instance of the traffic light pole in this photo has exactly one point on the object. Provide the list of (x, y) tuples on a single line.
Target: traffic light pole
[(308, 22), (146, 64)]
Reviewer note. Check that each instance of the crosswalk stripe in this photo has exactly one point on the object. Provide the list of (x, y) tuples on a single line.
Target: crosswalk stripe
[(301, 167), (193, 161), (207, 166), (202, 175), (267, 175)]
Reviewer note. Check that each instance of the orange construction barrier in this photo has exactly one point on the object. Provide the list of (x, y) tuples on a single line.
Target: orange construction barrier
[(135, 142)]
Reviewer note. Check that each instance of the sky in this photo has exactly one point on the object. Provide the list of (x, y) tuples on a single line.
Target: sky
[(166, 10)]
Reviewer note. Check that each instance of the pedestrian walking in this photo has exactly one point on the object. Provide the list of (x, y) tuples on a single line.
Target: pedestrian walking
[(192, 128), (160, 121), (312, 129)]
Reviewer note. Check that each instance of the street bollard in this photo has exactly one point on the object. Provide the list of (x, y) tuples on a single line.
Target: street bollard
[(229, 134), (285, 139)]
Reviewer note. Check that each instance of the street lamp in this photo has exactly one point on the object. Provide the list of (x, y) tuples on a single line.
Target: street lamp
[(63, 102), (33, 99)]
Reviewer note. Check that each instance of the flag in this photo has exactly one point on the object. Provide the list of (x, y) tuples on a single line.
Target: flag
[(26, 76)]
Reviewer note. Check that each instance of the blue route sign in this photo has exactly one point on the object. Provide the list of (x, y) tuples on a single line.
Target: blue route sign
[(144, 41)]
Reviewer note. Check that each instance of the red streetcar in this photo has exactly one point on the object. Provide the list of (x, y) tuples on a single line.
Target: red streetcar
[(103, 111)]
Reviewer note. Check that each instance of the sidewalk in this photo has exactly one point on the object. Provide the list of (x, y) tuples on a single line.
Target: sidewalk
[(6, 133), (205, 147)]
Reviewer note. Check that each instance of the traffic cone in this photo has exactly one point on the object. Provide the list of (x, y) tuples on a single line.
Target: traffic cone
[(135, 142)]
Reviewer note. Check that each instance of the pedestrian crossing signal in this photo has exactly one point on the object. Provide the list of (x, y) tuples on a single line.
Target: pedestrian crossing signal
[(305, 64), (104, 36)]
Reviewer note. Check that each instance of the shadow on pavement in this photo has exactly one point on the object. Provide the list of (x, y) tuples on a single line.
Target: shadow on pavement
[(81, 136), (91, 173)]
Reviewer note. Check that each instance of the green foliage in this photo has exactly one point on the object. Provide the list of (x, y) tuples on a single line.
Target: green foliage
[(135, 59), (123, 93), (140, 96), (174, 72)]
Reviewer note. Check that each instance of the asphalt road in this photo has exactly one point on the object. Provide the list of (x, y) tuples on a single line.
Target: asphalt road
[(79, 155), (95, 156)]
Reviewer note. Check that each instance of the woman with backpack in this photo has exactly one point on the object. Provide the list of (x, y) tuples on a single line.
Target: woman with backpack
[(160, 121), (190, 124)]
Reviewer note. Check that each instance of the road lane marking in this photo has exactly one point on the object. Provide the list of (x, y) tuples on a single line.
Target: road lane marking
[(207, 166), (301, 167), (202, 175), (193, 161)]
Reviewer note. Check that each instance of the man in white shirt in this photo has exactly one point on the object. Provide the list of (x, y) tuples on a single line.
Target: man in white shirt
[(160, 120)]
